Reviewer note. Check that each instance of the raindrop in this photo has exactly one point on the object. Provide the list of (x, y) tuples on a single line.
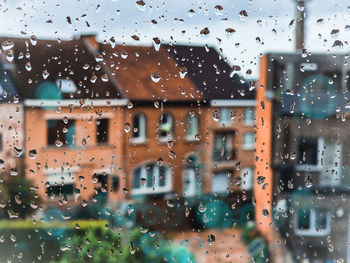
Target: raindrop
[(127, 127), (83, 143), (45, 74), (58, 143), (28, 66), (7, 45), (93, 78), (202, 208), (243, 15), (338, 44), (183, 71), (33, 40), (260, 179), (156, 43), (308, 181), (229, 32), (172, 154), (211, 239), (216, 115), (265, 213), (124, 54), (10, 55), (104, 77), (191, 13), (141, 5), (155, 76), (205, 31), (17, 151), (32, 154), (219, 10), (130, 105)]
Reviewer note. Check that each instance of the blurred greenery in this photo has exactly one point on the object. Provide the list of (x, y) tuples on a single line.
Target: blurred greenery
[(18, 198)]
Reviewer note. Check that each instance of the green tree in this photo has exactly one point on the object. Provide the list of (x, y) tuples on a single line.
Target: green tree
[(18, 197)]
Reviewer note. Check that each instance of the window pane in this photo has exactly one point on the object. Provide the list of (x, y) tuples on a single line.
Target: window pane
[(303, 219), (102, 130)]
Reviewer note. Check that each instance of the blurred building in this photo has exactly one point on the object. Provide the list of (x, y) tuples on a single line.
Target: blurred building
[(127, 122), (302, 164)]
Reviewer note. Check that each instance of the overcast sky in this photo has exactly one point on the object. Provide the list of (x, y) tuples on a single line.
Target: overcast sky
[(124, 18)]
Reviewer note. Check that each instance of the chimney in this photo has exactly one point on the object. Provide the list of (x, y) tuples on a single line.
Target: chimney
[(90, 41), (300, 15)]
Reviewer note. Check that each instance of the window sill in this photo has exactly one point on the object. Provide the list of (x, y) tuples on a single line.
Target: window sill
[(312, 233), (248, 147), (165, 190), (137, 141)]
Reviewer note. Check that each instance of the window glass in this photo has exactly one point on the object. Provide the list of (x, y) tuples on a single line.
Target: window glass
[(247, 177), (220, 182), (192, 129), (102, 126), (248, 141), (166, 126), (66, 85), (139, 128), (223, 147), (61, 132), (249, 116)]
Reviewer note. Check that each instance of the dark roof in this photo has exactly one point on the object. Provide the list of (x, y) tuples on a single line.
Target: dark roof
[(210, 72), (37, 66), (133, 66)]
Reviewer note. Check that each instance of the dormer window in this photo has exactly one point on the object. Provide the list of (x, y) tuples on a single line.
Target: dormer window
[(66, 85)]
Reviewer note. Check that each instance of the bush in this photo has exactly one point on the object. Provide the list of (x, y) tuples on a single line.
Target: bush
[(17, 198), (94, 245), (30, 241)]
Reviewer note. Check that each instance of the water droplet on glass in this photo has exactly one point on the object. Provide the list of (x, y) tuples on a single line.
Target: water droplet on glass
[(260, 179), (155, 76), (28, 66), (219, 10), (32, 154), (205, 31), (216, 115), (45, 74), (229, 32), (127, 127), (104, 77), (141, 5), (183, 71), (211, 239), (33, 40), (202, 208), (17, 151), (7, 45), (156, 43), (191, 13), (265, 213), (243, 15)]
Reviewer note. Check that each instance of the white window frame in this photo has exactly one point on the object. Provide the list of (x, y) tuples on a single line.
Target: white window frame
[(225, 112), (192, 125), (244, 178), (154, 189), (55, 177), (142, 129), (250, 146), (249, 122), (312, 231), (170, 123), (66, 83), (310, 167)]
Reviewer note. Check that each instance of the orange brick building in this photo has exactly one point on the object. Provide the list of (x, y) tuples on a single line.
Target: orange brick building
[(131, 122)]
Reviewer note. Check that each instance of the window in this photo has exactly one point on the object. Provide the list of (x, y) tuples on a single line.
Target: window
[(308, 148), (312, 222), (151, 179), (221, 182), (191, 127), (60, 183), (139, 128), (191, 180), (249, 116), (61, 132), (223, 150), (102, 126), (247, 177), (115, 183), (66, 85), (166, 127), (225, 117), (249, 141)]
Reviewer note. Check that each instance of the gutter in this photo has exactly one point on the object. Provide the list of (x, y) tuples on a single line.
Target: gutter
[(233, 103), (72, 102)]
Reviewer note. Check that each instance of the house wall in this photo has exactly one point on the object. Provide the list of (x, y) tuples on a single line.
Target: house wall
[(83, 162), (12, 133), (152, 149)]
